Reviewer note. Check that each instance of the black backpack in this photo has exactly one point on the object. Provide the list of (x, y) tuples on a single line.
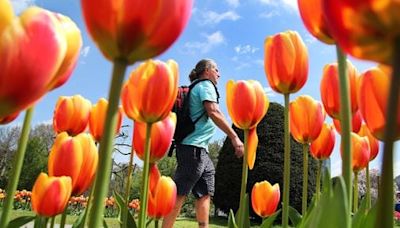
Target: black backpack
[(184, 124)]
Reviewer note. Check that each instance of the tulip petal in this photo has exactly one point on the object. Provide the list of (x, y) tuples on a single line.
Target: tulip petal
[(252, 143)]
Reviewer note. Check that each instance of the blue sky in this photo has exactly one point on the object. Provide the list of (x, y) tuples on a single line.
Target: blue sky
[(230, 31)]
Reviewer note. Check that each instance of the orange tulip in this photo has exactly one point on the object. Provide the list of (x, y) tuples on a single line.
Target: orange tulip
[(26, 75), (97, 117), (321, 148), (364, 29), (330, 89), (161, 137), (151, 90), (135, 30), (361, 152), (162, 194), (373, 97), (306, 119), (50, 195), (8, 119), (76, 157), (247, 105), (286, 62), (356, 121), (71, 114), (265, 198), (313, 19), (373, 142)]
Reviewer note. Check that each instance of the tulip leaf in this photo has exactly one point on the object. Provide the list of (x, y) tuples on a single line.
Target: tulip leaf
[(370, 218), (246, 221), (105, 223), (20, 221), (120, 202), (148, 222), (360, 215), (231, 220), (294, 216), (267, 223), (131, 220), (79, 221)]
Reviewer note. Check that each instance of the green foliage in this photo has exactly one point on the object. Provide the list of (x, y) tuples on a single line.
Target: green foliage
[(268, 165)]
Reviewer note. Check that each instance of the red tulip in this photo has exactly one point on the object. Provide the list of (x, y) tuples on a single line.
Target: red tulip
[(286, 62), (321, 148), (373, 142), (162, 194), (373, 97), (50, 195), (306, 119), (330, 89), (71, 114), (26, 75), (135, 30), (76, 157), (6, 14), (98, 116), (265, 198), (361, 152), (8, 119), (151, 90), (356, 121), (313, 19), (364, 29), (161, 137), (247, 105)]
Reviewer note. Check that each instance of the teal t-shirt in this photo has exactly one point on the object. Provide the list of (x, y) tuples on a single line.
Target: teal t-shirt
[(205, 127)]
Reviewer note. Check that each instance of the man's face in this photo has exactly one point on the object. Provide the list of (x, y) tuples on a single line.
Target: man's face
[(213, 73)]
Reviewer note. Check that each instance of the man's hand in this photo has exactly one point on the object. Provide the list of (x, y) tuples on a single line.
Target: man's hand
[(238, 146)]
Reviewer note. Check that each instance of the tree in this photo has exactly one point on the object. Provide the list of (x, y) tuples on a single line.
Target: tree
[(268, 165), (8, 145)]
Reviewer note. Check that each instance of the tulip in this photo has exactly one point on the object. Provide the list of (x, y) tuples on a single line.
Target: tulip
[(360, 146), (36, 30), (50, 195), (162, 194), (330, 89), (76, 157), (306, 119), (161, 137), (265, 198), (373, 142), (8, 119), (97, 118), (373, 98), (321, 148), (373, 31), (71, 114), (6, 14), (151, 90), (355, 123), (134, 30), (313, 19), (286, 62)]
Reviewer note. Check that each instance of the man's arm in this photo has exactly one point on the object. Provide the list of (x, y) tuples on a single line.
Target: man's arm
[(218, 118)]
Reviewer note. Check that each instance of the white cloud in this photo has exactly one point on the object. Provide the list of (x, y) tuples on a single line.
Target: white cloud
[(212, 40), (233, 3), (85, 51), (287, 4), (246, 49), (269, 92), (21, 5), (269, 14), (310, 39), (212, 17), (336, 167)]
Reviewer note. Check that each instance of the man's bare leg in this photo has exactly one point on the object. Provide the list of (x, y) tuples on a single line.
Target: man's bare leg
[(202, 211), (169, 220)]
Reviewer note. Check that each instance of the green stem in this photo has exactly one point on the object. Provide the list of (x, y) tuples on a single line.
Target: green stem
[(64, 217), (53, 219), (318, 187), (156, 223), (40, 222), (286, 169), (106, 145), (145, 178), (127, 190), (245, 170), (368, 188), (345, 115), (355, 204), (385, 200), (17, 166), (305, 179)]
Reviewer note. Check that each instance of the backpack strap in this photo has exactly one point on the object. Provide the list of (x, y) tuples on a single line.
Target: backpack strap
[(191, 86)]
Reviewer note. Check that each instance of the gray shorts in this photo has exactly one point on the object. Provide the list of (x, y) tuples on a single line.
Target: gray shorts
[(195, 171)]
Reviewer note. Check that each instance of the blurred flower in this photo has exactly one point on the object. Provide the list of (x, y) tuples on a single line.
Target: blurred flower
[(50, 194), (76, 157), (329, 89), (321, 148), (306, 119), (151, 90), (71, 114), (286, 62), (360, 148), (373, 142), (134, 30), (265, 198), (9, 118), (356, 121), (161, 137), (247, 105), (98, 116)]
